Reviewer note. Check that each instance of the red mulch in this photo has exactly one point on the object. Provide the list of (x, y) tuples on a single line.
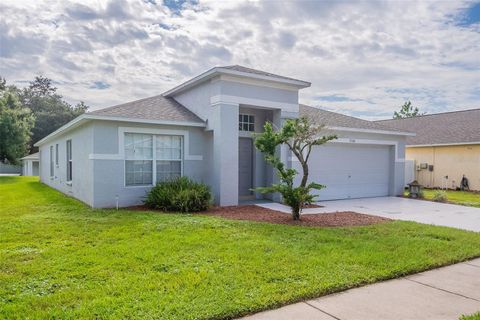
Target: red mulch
[(256, 213)]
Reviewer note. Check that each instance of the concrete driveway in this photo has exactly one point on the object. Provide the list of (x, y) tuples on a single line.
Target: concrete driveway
[(441, 214)]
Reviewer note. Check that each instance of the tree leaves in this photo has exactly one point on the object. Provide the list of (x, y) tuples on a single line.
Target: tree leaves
[(407, 110), (300, 136)]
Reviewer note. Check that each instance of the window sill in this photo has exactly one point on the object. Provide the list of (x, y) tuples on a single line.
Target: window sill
[(140, 186)]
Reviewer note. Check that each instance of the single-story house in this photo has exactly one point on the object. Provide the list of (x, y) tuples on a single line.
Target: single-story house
[(30, 164), (203, 129), (445, 148)]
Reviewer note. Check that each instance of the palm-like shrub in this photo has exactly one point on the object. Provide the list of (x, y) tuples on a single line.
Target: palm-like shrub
[(180, 194)]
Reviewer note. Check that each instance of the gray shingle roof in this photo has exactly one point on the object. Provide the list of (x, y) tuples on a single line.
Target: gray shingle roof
[(441, 128), (153, 108), (259, 72), (333, 119)]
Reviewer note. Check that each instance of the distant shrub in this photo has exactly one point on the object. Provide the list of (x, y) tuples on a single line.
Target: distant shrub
[(181, 194), (440, 196), (421, 194)]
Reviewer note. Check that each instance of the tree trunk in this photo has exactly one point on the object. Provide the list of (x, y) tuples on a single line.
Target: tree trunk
[(305, 174), (296, 213)]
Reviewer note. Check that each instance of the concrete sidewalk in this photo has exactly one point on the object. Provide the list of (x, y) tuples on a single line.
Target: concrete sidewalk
[(444, 293)]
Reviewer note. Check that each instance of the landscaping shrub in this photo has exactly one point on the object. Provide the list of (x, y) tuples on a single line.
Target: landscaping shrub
[(440, 196), (180, 194)]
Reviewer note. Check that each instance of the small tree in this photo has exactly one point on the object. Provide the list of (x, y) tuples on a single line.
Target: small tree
[(407, 111), (300, 136)]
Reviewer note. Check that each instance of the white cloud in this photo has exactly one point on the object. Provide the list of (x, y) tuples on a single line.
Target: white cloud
[(373, 54)]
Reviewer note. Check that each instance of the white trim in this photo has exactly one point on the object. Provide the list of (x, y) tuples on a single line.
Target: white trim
[(441, 144), (268, 104), (397, 133), (218, 71), (85, 117), (121, 136), (255, 82)]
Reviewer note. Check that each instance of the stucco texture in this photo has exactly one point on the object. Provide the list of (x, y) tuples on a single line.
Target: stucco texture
[(451, 161)]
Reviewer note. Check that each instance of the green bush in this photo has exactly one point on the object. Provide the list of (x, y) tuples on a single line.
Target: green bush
[(440, 196), (181, 194)]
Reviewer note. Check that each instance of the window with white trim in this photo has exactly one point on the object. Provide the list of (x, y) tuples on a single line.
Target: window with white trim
[(138, 159), (69, 160), (56, 154), (168, 157), (246, 122), (51, 162), (152, 158)]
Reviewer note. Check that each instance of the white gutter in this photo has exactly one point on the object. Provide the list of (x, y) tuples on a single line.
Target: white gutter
[(396, 133), (218, 70), (87, 117), (441, 144)]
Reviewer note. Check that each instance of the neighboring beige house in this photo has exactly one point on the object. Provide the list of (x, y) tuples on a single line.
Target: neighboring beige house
[(446, 147)]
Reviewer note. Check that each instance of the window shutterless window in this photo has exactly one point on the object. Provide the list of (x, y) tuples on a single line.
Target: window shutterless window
[(69, 160), (142, 151), (246, 122), (56, 154), (169, 156), (51, 161), (138, 159)]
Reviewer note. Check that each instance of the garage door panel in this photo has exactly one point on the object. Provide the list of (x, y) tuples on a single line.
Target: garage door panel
[(350, 171)]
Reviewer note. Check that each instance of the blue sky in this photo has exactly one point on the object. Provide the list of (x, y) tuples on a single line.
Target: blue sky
[(363, 58)]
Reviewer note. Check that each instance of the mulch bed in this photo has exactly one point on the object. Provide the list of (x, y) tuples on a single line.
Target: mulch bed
[(256, 213)]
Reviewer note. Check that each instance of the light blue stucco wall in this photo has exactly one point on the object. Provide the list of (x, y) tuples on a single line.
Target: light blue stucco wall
[(109, 164), (81, 186)]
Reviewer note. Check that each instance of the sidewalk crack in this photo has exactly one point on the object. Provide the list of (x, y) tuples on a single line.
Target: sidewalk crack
[(433, 287), (328, 314)]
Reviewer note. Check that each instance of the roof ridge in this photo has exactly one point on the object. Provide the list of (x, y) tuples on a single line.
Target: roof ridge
[(431, 114)]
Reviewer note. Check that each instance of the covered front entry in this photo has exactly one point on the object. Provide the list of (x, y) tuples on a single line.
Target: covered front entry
[(245, 167), (351, 171)]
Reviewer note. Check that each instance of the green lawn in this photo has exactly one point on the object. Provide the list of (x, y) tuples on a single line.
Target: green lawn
[(458, 197), (470, 199), (60, 259), (475, 316)]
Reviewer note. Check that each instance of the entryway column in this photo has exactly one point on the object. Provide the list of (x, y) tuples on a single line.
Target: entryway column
[(225, 153)]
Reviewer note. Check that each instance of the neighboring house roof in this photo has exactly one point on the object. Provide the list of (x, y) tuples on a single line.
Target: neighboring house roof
[(153, 108), (458, 127), (236, 70), (339, 121), (33, 156)]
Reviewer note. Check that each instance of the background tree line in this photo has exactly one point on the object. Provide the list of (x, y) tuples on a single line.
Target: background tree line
[(27, 115)]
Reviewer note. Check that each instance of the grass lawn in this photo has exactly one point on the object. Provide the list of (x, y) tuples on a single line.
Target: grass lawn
[(470, 199), (475, 316), (61, 259)]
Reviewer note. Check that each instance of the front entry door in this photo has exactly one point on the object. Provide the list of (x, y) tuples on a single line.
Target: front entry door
[(245, 166)]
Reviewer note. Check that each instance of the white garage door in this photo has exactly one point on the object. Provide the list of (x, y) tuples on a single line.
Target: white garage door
[(351, 171)]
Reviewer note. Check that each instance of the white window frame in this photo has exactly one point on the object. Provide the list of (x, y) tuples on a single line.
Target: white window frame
[(56, 155), (154, 156), (125, 162), (182, 153), (52, 171), (241, 122), (69, 161)]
